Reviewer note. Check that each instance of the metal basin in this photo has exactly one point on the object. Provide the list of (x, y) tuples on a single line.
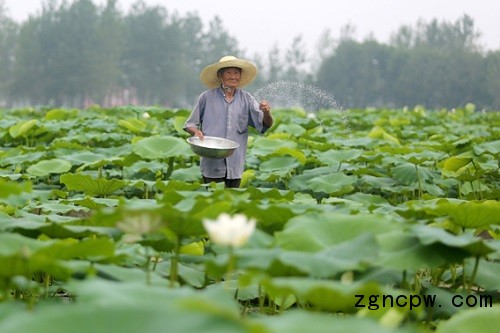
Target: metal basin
[(212, 146)]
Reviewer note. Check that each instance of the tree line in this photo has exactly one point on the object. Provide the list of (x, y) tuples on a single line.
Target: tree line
[(77, 53)]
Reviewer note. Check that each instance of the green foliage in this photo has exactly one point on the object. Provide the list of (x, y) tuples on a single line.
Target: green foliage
[(99, 222), (100, 187), (47, 167)]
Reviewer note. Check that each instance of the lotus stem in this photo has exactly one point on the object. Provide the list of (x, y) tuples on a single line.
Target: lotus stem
[(174, 262), (170, 167), (474, 272)]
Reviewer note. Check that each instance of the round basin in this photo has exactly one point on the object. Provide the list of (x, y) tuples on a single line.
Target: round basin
[(212, 146)]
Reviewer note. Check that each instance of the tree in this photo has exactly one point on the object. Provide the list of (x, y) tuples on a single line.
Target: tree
[(144, 51), (325, 48), (32, 79), (295, 58), (492, 81), (108, 51), (359, 74), (460, 35), (8, 43), (217, 42), (275, 69), (192, 60)]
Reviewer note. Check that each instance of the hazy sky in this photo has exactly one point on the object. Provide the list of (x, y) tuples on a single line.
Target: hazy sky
[(258, 25)]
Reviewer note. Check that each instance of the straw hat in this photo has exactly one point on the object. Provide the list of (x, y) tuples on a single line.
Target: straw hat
[(209, 74)]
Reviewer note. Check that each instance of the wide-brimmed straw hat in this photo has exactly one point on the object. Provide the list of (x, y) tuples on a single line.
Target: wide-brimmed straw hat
[(209, 74)]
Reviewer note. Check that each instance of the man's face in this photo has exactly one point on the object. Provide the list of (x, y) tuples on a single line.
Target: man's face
[(231, 76)]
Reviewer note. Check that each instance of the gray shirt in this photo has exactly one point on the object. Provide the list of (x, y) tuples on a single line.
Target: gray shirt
[(214, 116)]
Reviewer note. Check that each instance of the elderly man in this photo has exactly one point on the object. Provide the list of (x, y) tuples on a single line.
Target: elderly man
[(226, 111)]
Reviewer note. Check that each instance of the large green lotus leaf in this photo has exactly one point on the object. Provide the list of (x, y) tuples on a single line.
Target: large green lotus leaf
[(131, 308), (487, 165), (294, 129), (91, 186), (57, 230), (264, 146), (471, 214), (492, 147), (130, 274), (195, 277), (11, 243), (482, 319), (159, 241), (270, 216), (114, 160), (419, 157), (280, 163), (176, 185), (408, 173), (472, 188), (8, 175), (143, 167), (338, 156), (433, 235), (8, 188), (161, 147), (313, 144), (179, 122), (433, 189), (261, 259), (326, 294), (22, 256), (308, 123), (458, 166), (132, 124), (77, 249), (123, 150), (404, 251), (379, 133), (361, 249), (309, 321), (495, 234), (333, 184), (444, 299), (94, 203), (61, 114), (354, 254), (79, 157), (315, 232), (487, 275), (190, 174), (353, 142), (47, 167), (59, 207), (271, 194), (378, 183), (367, 199), (297, 153), (189, 223), (21, 265), (22, 128), (325, 264), (18, 156)]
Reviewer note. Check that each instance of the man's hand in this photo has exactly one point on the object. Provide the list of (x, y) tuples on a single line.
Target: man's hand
[(196, 132)]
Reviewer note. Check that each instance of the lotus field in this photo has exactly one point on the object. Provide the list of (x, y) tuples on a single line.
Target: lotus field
[(387, 224)]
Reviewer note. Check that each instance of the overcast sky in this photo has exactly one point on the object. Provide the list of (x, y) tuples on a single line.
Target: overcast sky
[(258, 25)]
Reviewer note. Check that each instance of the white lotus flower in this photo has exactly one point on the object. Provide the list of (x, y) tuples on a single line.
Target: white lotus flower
[(233, 231)]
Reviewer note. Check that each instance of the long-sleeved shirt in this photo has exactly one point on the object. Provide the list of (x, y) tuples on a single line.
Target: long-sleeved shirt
[(215, 116)]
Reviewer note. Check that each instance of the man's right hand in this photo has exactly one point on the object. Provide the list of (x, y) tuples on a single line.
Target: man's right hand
[(196, 132)]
